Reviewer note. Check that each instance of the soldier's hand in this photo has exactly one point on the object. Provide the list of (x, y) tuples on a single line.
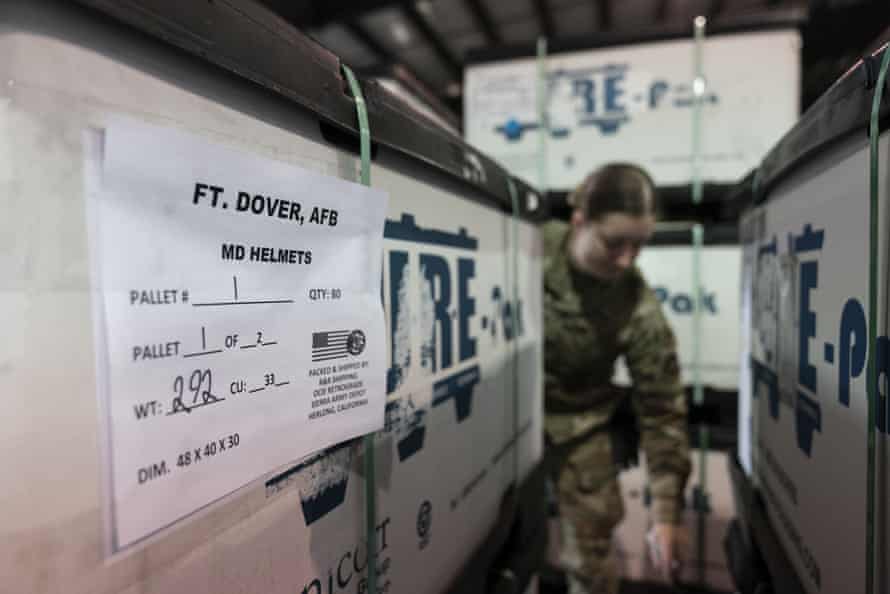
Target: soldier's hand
[(670, 542)]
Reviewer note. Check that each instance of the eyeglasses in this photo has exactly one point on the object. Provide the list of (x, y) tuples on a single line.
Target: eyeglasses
[(615, 244)]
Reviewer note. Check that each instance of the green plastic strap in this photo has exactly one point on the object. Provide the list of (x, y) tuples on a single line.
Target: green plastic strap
[(698, 88), (364, 129), (697, 230), (543, 134), (698, 233), (370, 469), (756, 183), (874, 134), (698, 398), (514, 198), (543, 118)]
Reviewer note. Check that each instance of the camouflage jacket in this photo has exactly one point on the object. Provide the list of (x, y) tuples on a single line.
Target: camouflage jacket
[(590, 323)]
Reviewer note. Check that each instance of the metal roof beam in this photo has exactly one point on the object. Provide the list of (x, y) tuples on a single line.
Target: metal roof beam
[(454, 67), (400, 70), (314, 15), (359, 32), (484, 21)]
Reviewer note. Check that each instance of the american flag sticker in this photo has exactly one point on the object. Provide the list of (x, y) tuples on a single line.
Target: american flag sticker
[(330, 345)]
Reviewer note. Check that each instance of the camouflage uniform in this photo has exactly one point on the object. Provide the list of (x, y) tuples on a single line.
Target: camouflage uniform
[(588, 324)]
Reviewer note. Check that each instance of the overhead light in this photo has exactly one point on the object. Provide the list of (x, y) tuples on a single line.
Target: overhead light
[(400, 32)]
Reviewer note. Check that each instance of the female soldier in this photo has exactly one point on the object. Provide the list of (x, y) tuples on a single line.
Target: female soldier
[(598, 307)]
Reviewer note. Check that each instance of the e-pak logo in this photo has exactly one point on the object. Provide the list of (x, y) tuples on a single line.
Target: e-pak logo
[(683, 303), (408, 423), (321, 481), (439, 307), (784, 297), (603, 97)]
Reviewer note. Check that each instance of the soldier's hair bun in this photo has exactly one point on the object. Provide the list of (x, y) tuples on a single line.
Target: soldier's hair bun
[(616, 187)]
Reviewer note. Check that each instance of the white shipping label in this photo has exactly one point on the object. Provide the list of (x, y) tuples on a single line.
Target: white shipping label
[(243, 323)]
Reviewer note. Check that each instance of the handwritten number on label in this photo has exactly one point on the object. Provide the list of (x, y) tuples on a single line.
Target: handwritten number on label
[(200, 385)]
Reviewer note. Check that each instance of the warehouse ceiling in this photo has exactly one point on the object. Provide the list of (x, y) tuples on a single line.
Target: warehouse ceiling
[(425, 44)]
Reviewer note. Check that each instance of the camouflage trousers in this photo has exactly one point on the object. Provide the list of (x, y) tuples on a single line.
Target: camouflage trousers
[(590, 507)]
